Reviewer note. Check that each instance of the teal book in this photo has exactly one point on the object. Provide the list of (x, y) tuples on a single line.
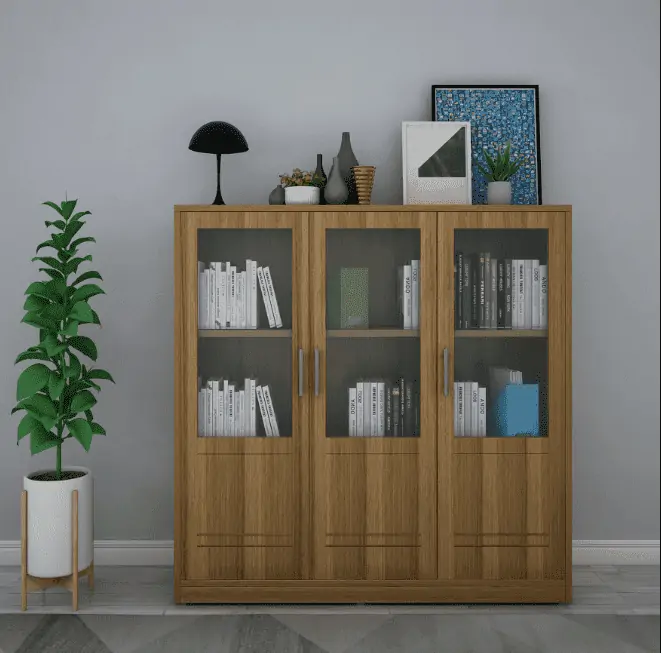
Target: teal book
[(515, 412)]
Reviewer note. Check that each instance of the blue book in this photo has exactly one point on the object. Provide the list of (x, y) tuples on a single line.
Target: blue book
[(516, 411)]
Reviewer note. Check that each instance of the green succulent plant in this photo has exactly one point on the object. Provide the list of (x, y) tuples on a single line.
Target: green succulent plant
[(500, 167), (56, 391)]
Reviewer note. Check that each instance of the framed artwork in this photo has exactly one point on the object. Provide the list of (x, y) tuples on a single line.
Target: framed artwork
[(497, 114), (436, 162)]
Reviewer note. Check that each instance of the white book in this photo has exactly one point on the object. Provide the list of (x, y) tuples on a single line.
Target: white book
[(415, 294), (460, 408), (233, 315), (240, 300), (246, 294), (201, 299), (543, 296), (520, 298), (272, 298), (226, 409), (527, 294), (217, 268), (212, 296), (367, 408), (455, 413), (482, 412), (475, 409), (221, 411), (359, 409), (200, 412), (407, 300), (221, 304), (265, 297), (252, 280), (215, 396), (268, 402), (515, 293), (535, 294), (209, 427), (231, 405), (251, 403), (241, 413), (228, 294), (352, 412), (207, 301), (381, 397), (468, 409), (374, 409), (266, 422)]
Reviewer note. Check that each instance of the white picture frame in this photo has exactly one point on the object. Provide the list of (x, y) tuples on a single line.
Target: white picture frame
[(436, 162)]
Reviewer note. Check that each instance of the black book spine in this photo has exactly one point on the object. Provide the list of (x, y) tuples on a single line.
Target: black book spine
[(395, 410), (466, 295), (487, 290), (475, 318), (481, 292), (508, 293), (388, 409), (402, 406), (459, 286), (408, 414), (501, 294)]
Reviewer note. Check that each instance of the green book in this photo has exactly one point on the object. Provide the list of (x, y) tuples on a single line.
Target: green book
[(348, 299)]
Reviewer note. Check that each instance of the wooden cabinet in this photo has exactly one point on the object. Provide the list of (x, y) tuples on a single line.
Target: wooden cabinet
[(321, 513)]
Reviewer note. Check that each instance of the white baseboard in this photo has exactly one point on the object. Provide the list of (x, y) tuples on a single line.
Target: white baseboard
[(160, 552)]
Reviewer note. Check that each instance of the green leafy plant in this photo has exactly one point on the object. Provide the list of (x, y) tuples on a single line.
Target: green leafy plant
[(301, 178), (56, 392), (501, 167)]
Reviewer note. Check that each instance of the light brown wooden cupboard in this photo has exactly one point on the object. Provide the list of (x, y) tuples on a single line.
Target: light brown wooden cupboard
[(317, 516)]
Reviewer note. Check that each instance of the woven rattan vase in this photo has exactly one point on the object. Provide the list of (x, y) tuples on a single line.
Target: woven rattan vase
[(364, 178)]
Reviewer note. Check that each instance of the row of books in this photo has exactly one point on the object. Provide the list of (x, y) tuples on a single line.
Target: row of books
[(226, 410), (227, 296), (495, 293), (470, 409), (408, 293), (382, 409)]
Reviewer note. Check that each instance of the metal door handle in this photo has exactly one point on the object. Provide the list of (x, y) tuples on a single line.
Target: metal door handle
[(300, 372), (446, 371), (316, 372)]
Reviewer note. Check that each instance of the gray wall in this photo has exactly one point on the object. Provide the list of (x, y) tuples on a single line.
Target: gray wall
[(99, 99)]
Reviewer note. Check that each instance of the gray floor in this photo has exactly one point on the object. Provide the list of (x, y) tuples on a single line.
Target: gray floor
[(615, 609)]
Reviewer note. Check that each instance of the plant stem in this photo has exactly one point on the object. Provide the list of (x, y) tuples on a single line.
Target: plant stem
[(58, 462)]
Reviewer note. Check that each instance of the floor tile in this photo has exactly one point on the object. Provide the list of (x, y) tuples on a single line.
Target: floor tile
[(637, 630)]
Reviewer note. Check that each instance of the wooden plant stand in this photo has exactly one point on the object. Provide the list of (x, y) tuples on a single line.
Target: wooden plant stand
[(70, 582)]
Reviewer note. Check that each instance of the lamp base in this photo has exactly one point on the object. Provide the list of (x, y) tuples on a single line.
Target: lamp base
[(219, 197)]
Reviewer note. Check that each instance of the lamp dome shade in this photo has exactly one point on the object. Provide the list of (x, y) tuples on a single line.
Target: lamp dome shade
[(218, 138)]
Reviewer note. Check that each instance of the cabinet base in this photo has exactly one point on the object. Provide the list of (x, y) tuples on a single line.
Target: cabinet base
[(374, 592)]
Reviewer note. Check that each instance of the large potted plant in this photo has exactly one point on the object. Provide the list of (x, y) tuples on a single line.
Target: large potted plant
[(498, 172), (55, 393)]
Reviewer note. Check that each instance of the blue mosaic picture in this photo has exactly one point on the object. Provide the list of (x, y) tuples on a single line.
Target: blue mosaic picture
[(497, 114)]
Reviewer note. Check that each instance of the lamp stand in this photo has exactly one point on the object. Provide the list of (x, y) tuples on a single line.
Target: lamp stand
[(219, 197)]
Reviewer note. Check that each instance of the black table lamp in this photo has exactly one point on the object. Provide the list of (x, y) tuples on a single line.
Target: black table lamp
[(218, 138)]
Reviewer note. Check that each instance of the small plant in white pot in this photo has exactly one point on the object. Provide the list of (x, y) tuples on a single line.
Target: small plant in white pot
[(56, 394), (498, 172), (301, 187)]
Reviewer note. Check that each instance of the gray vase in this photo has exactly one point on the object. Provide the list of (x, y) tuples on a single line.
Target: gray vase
[(277, 195), (347, 160), (336, 191)]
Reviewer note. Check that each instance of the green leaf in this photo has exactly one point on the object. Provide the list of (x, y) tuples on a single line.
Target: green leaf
[(41, 440), (47, 421), (95, 318), (46, 243), (41, 405), (84, 345), (53, 206), (38, 288), (35, 303), (53, 346), (53, 274), (31, 354), (74, 263), (79, 215), (67, 208), (81, 312), (39, 321), (89, 416), (27, 425), (100, 374), (97, 429), (55, 312), (31, 380), (79, 241), (82, 401), (56, 288), (55, 385), (51, 261), (72, 370), (91, 274), (72, 229), (85, 292), (71, 329), (82, 431)]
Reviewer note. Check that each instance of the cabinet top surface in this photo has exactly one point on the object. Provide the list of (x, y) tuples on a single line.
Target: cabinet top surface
[(368, 208)]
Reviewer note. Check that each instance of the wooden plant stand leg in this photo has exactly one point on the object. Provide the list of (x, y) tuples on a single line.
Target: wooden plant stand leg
[(24, 550), (74, 539)]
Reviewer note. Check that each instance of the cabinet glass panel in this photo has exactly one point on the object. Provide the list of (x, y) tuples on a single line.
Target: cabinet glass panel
[(372, 329), (244, 332), (501, 322)]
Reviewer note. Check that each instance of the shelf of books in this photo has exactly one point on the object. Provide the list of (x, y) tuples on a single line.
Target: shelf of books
[(501, 337), (372, 332), (244, 332)]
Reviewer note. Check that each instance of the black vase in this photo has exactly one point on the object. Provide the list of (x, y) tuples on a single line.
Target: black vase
[(347, 160), (320, 174)]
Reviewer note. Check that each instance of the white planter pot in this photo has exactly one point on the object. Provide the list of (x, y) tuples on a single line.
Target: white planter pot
[(50, 524), (302, 195), (499, 192)]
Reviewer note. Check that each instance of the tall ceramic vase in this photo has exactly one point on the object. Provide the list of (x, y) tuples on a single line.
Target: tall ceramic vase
[(347, 160), (336, 191)]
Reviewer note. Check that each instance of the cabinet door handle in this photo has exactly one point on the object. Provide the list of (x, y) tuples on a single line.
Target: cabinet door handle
[(300, 372), (316, 372), (446, 371)]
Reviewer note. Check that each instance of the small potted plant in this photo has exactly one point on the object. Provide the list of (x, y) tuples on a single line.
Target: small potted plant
[(498, 172), (301, 187), (55, 394)]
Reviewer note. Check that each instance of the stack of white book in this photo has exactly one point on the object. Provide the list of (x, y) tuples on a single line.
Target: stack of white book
[(470, 409), (226, 410), (408, 294), (227, 296)]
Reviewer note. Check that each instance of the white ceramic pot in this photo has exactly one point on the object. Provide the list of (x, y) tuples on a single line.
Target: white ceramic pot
[(50, 524), (302, 195), (499, 192)]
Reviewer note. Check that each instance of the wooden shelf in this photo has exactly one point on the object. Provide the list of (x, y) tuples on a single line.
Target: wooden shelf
[(373, 333), (244, 333), (501, 333)]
